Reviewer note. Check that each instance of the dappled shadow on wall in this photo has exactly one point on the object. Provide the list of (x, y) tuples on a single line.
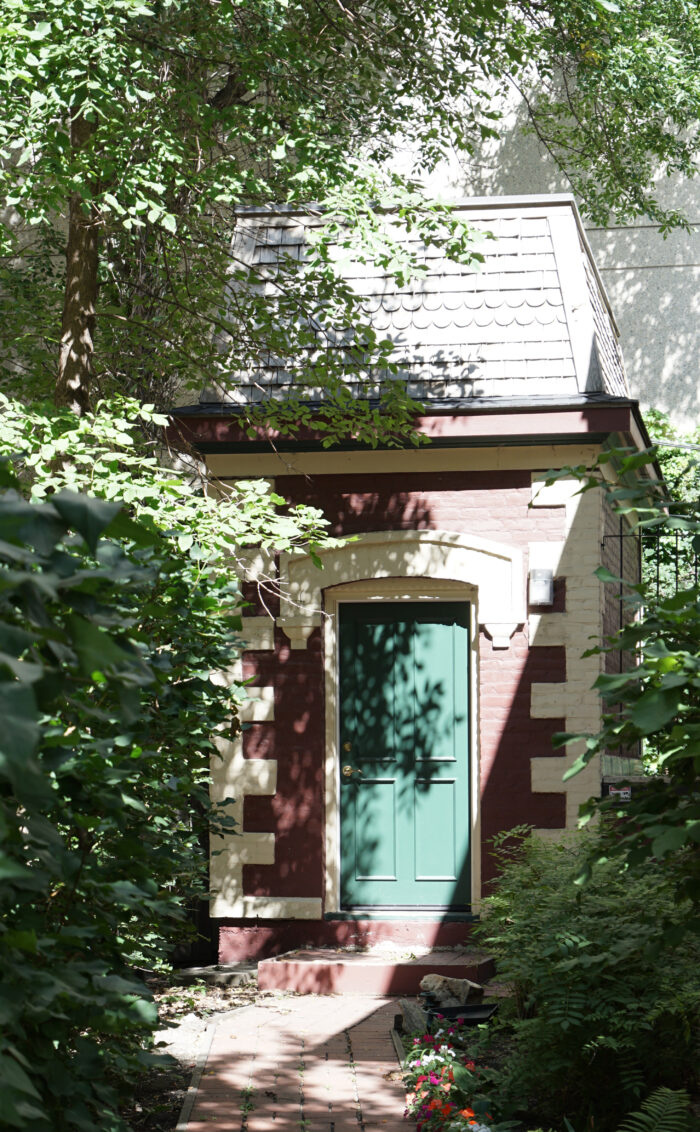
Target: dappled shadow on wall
[(412, 730)]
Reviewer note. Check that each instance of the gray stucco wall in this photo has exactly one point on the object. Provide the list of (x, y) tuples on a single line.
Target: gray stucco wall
[(653, 283)]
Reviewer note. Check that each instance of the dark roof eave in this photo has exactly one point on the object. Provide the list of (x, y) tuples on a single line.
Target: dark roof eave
[(454, 407), (213, 428)]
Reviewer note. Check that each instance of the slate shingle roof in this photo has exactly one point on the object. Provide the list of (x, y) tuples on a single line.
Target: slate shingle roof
[(532, 321)]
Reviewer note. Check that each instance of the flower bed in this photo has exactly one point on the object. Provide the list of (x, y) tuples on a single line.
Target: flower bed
[(444, 1083)]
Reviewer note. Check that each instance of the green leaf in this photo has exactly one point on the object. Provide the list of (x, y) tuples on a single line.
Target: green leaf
[(39, 31), (123, 527), (87, 515), (22, 940), (118, 985), (464, 1079), (10, 870), (672, 839), (604, 575), (655, 708), (112, 201), (12, 1076), (577, 766), (19, 733), (25, 522), (13, 639), (96, 650)]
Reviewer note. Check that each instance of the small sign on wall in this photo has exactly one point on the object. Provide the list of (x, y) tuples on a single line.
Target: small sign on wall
[(621, 793)]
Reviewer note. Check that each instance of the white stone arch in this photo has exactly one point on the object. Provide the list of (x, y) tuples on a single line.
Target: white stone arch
[(431, 565), (493, 569)]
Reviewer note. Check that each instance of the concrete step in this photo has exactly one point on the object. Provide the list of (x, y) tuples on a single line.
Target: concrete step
[(377, 971)]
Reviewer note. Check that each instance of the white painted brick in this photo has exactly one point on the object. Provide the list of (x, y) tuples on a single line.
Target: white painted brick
[(546, 774), (545, 555), (547, 629), (548, 701), (556, 494), (255, 849), (259, 707), (258, 633), (258, 776)]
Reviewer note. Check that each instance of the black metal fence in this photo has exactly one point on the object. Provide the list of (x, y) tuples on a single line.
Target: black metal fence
[(669, 561)]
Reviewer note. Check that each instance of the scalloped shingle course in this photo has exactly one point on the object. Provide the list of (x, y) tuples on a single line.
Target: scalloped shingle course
[(516, 325)]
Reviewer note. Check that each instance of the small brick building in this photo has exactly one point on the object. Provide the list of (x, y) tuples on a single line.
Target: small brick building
[(404, 697)]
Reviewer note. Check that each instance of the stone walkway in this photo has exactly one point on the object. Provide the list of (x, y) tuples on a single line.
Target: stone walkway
[(306, 1063)]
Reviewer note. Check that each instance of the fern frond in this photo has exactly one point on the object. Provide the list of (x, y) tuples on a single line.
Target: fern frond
[(664, 1110)]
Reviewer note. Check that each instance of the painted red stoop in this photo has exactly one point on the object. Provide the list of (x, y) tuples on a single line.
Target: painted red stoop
[(376, 971)]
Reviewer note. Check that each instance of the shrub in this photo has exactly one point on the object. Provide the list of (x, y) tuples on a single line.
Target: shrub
[(602, 1017), (107, 649)]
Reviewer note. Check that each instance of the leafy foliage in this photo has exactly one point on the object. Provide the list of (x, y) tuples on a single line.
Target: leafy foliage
[(669, 559), (114, 624), (654, 700), (109, 644), (147, 136), (616, 99), (601, 1018), (156, 128), (664, 1110), (107, 454)]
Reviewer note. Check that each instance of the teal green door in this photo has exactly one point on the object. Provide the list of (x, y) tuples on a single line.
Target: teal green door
[(404, 750)]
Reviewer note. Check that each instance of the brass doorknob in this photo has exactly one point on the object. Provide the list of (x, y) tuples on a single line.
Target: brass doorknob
[(348, 771)]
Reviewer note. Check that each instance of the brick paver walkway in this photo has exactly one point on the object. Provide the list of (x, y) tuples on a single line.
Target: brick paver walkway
[(303, 1063)]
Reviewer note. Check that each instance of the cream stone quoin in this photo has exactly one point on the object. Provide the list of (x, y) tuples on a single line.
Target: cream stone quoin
[(493, 569)]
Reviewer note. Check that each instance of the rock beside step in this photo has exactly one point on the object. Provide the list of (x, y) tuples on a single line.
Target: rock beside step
[(444, 991), (413, 1019), (218, 974)]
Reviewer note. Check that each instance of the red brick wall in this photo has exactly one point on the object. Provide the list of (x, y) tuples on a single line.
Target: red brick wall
[(488, 504), (510, 738), (296, 741)]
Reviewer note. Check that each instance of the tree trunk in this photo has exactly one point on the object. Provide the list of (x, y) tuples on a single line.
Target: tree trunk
[(75, 360)]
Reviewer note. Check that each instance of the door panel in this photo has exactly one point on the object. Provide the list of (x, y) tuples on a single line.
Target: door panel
[(375, 809), (436, 830), (404, 735)]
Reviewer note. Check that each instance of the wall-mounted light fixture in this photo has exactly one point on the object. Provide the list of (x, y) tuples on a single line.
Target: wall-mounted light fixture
[(541, 587)]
